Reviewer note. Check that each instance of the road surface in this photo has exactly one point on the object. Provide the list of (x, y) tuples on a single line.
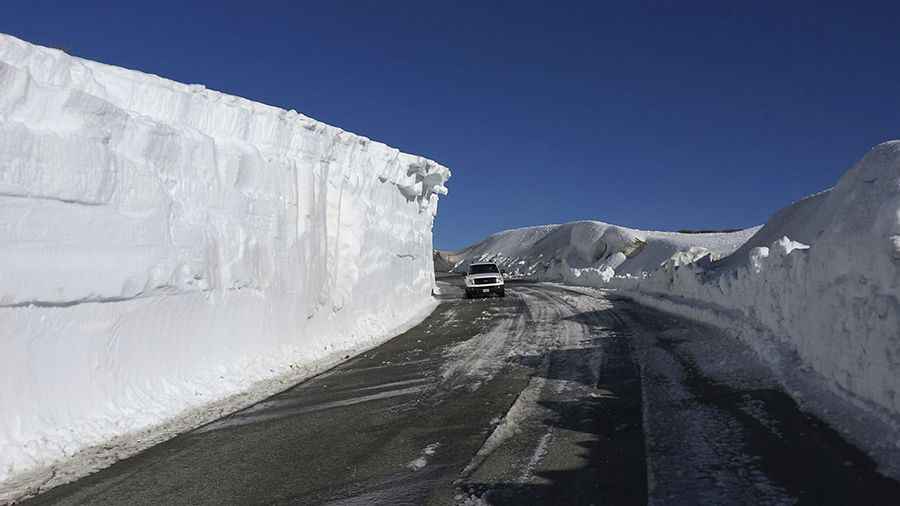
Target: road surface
[(550, 395)]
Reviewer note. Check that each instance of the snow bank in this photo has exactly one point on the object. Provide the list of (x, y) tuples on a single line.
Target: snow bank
[(816, 291), (821, 280), (164, 245)]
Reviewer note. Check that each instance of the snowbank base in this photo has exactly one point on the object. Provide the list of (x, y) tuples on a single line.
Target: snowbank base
[(95, 458), (866, 425)]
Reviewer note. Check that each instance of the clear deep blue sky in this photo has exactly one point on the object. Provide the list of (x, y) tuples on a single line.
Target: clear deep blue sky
[(660, 115)]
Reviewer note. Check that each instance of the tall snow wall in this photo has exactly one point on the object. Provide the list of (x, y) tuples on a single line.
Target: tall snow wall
[(163, 245)]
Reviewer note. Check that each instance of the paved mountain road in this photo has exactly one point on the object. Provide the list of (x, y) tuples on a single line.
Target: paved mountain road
[(548, 396)]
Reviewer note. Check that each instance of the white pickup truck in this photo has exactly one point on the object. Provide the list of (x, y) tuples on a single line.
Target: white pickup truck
[(484, 279)]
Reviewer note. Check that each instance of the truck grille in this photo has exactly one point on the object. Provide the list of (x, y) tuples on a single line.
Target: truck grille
[(485, 281)]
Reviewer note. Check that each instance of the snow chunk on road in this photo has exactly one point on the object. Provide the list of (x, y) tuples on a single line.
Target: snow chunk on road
[(422, 461)]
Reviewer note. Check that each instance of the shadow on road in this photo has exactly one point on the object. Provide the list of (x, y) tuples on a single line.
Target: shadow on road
[(612, 469), (796, 450), (607, 423)]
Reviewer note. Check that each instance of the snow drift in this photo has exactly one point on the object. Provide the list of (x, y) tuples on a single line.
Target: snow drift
[(164, 245), (817, 289)]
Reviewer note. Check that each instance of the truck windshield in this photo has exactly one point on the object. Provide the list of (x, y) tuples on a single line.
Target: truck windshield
[(482, 269)]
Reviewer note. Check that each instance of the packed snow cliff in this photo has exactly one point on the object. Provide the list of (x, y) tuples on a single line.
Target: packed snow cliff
[(164, 245), (817, 289)]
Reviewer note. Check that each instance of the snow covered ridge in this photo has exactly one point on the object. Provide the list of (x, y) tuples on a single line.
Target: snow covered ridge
[(816, 290), (164, 245), (591, 252)]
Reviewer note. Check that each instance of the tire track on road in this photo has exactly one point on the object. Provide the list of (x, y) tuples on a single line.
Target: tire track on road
[(545, 449)]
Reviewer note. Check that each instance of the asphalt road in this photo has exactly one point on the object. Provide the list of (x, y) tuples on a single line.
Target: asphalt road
[(546, 396)]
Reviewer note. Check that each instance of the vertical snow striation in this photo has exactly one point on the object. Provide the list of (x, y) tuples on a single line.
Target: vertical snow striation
[(162, 245)]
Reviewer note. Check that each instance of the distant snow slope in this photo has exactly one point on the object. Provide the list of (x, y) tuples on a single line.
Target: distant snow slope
[(816, 291), (588, 250), (163, 245)]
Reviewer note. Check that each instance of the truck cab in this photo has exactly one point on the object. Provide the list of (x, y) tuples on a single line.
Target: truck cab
[(484, 278)]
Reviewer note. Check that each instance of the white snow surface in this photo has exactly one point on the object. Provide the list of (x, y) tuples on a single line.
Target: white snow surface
[(815, 292), (163, 246)]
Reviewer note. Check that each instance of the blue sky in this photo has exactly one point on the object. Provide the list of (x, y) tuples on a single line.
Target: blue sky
[(661, 115)]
